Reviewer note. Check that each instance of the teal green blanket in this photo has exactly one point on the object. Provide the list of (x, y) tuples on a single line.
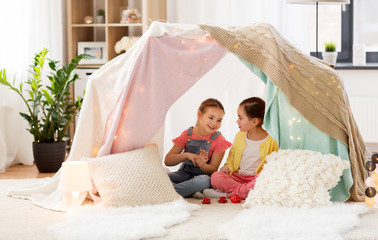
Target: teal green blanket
[(292, 131)]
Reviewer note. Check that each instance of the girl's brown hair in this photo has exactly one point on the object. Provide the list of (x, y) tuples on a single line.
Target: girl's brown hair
[(254, 107), (210, 102)]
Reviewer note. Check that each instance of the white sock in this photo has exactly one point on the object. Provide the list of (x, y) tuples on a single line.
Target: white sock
[(213, 193), (198, 195)]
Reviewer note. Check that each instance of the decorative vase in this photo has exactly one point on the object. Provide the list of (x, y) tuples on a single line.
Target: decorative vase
[(330, 57), (49, 156), (359, 55)]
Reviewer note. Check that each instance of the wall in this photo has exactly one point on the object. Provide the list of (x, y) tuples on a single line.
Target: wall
[(360, 83)]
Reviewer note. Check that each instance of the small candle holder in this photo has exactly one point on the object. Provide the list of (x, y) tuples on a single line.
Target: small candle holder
[(88, 19)]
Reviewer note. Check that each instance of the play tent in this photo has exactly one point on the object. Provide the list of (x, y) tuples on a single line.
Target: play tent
[(128, 98)]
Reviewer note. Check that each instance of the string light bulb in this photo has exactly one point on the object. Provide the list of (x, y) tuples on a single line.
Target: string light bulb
[(370, 192), (370, 166)]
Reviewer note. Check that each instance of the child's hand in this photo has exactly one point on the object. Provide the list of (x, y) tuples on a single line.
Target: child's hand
[(202, 158), (204, 155), (192, 157), (225, 169)]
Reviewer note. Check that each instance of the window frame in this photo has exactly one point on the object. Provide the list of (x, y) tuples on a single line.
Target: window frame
[(346, 54)]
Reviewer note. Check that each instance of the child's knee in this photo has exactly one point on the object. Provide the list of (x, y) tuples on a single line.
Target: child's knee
[(216, 177), (203, 181)]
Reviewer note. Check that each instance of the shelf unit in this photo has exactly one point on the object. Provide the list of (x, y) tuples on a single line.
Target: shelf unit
[(111, 30)]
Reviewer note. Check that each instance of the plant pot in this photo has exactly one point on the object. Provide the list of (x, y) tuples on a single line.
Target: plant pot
[(330, 57), (100, 19), (49, 156)]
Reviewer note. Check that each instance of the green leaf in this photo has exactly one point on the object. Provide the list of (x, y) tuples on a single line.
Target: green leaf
[(37, 70), (47, 96), (3, 77), (27, 117), (31, 95)]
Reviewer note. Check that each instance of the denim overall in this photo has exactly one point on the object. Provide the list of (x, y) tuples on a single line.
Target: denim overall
[(189, 178)]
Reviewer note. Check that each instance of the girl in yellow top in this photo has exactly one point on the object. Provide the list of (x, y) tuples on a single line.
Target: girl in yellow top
[(247, 154)]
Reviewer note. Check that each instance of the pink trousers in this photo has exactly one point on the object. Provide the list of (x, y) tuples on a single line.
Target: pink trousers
[(235, 183)]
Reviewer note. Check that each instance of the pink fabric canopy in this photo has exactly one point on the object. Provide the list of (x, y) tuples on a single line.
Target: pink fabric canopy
[(142, 107)]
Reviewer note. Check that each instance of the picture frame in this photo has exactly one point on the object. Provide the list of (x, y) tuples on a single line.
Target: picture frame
[(97, 51)]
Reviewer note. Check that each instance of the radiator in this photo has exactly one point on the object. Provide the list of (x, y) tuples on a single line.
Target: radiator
[(365, 112)]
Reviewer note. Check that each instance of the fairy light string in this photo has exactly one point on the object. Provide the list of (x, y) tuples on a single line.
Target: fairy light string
[(371, 182)]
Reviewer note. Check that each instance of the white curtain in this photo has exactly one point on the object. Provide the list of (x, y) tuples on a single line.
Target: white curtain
[(290, 19), (26, 27)]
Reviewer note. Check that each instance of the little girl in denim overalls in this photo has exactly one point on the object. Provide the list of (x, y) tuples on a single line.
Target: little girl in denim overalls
[(199, 149)]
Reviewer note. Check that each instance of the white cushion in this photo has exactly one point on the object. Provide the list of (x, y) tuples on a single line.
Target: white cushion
[(133, 178), (297, 178)]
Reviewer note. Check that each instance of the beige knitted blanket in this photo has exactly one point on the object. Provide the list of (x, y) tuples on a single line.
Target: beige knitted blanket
[(311, 86)]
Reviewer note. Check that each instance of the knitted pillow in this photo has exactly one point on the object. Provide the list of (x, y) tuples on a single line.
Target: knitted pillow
[(132, 178), (297, 178)]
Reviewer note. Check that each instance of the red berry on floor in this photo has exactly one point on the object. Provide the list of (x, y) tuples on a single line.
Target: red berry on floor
[(235, 198), (222, 200), (206, 201)]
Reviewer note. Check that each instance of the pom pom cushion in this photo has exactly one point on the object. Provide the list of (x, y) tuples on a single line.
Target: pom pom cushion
[(133, 178), (297, 178)]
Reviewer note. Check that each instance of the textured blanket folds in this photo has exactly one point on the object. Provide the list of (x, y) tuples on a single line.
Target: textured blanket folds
[(312, 87)]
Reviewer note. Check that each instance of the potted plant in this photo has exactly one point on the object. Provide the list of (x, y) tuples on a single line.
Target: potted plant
[(330, 54), (100, 18), (50, 109)]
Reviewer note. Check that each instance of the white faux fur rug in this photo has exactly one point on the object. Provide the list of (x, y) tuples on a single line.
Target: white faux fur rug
[(97, 222), (26, 221), (279, 223)]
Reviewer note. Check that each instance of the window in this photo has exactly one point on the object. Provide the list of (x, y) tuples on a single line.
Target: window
[(365, 25), (329, 26), (359, 25)]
